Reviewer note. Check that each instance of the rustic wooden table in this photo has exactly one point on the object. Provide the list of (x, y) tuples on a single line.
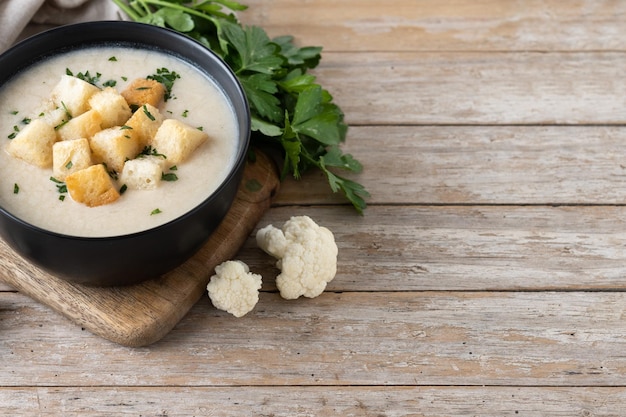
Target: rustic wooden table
[(487, 276)]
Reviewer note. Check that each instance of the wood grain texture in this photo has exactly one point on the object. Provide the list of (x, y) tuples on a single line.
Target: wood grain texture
[(141, 314), (467, 248), (409, 88), (487, 276), (316, 401), (433, 25), (383, 339), (544, 165)]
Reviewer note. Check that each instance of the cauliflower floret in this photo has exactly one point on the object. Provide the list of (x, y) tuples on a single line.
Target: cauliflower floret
[(306, 253), (234, 288)]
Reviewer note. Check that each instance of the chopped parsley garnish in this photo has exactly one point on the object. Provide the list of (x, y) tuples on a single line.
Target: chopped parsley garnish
[(123, 188), (109, 83), (113, 59), (147, 112), (112, 173), (61, 187), (16, 130), (167, 78), (288, 106), (150, 151), (14, 112), (155, 211), (125, 127), (185, 113), (170, 176), (85, 76), (69, 165), (16, 188)]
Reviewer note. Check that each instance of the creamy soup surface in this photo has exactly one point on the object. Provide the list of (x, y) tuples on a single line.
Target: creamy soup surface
[(196, 101)]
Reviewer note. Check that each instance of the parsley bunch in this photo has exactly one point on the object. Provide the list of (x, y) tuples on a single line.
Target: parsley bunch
[(288, 107)]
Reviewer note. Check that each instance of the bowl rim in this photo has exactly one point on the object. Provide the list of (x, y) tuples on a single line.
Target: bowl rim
[(244, 131)]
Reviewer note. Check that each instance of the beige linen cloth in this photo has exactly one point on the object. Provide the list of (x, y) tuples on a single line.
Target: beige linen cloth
[(21, 18)]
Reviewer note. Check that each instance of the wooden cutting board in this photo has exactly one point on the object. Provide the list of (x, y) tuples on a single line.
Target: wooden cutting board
[(141, 314)]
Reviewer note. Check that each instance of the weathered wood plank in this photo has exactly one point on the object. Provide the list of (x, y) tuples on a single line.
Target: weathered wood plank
[(479, 165), (477, 88), (433, 25), (370, 339), (313, 401), (466, 248)]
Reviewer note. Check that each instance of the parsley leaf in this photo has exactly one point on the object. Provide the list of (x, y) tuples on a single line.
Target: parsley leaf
[(287, 107)]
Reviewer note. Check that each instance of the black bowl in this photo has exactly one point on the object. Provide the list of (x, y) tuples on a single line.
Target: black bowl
[(132, 258)]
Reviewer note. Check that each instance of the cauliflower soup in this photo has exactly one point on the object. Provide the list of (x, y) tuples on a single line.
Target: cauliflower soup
[(32, 194)]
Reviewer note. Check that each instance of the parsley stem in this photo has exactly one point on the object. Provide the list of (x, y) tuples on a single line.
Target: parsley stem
[(126, 9)]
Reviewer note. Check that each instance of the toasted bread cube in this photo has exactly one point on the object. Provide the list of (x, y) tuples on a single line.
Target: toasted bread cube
[(112, 107), (142, 173), (55, 117), (143, 91), (92, 186), (83, 126), (69, 156), (73, 94), (33, 143), (113, 147), (50, 113), (144, 124), (177, 140)]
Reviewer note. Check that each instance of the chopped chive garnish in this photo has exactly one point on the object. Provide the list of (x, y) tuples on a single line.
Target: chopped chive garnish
[(147, 112), (170, 176)]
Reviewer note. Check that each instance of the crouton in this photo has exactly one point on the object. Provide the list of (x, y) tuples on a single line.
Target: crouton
[(113, 147), (144, 124), (177, 141), (55, 117), (69, 156), (143, 173), (83, 126), (33, 143), (73, 94), (112, 107), (143, 91), (92, 186)]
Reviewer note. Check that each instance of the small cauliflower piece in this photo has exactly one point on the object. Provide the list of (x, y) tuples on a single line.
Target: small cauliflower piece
[(306, 253), (234, 288)]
